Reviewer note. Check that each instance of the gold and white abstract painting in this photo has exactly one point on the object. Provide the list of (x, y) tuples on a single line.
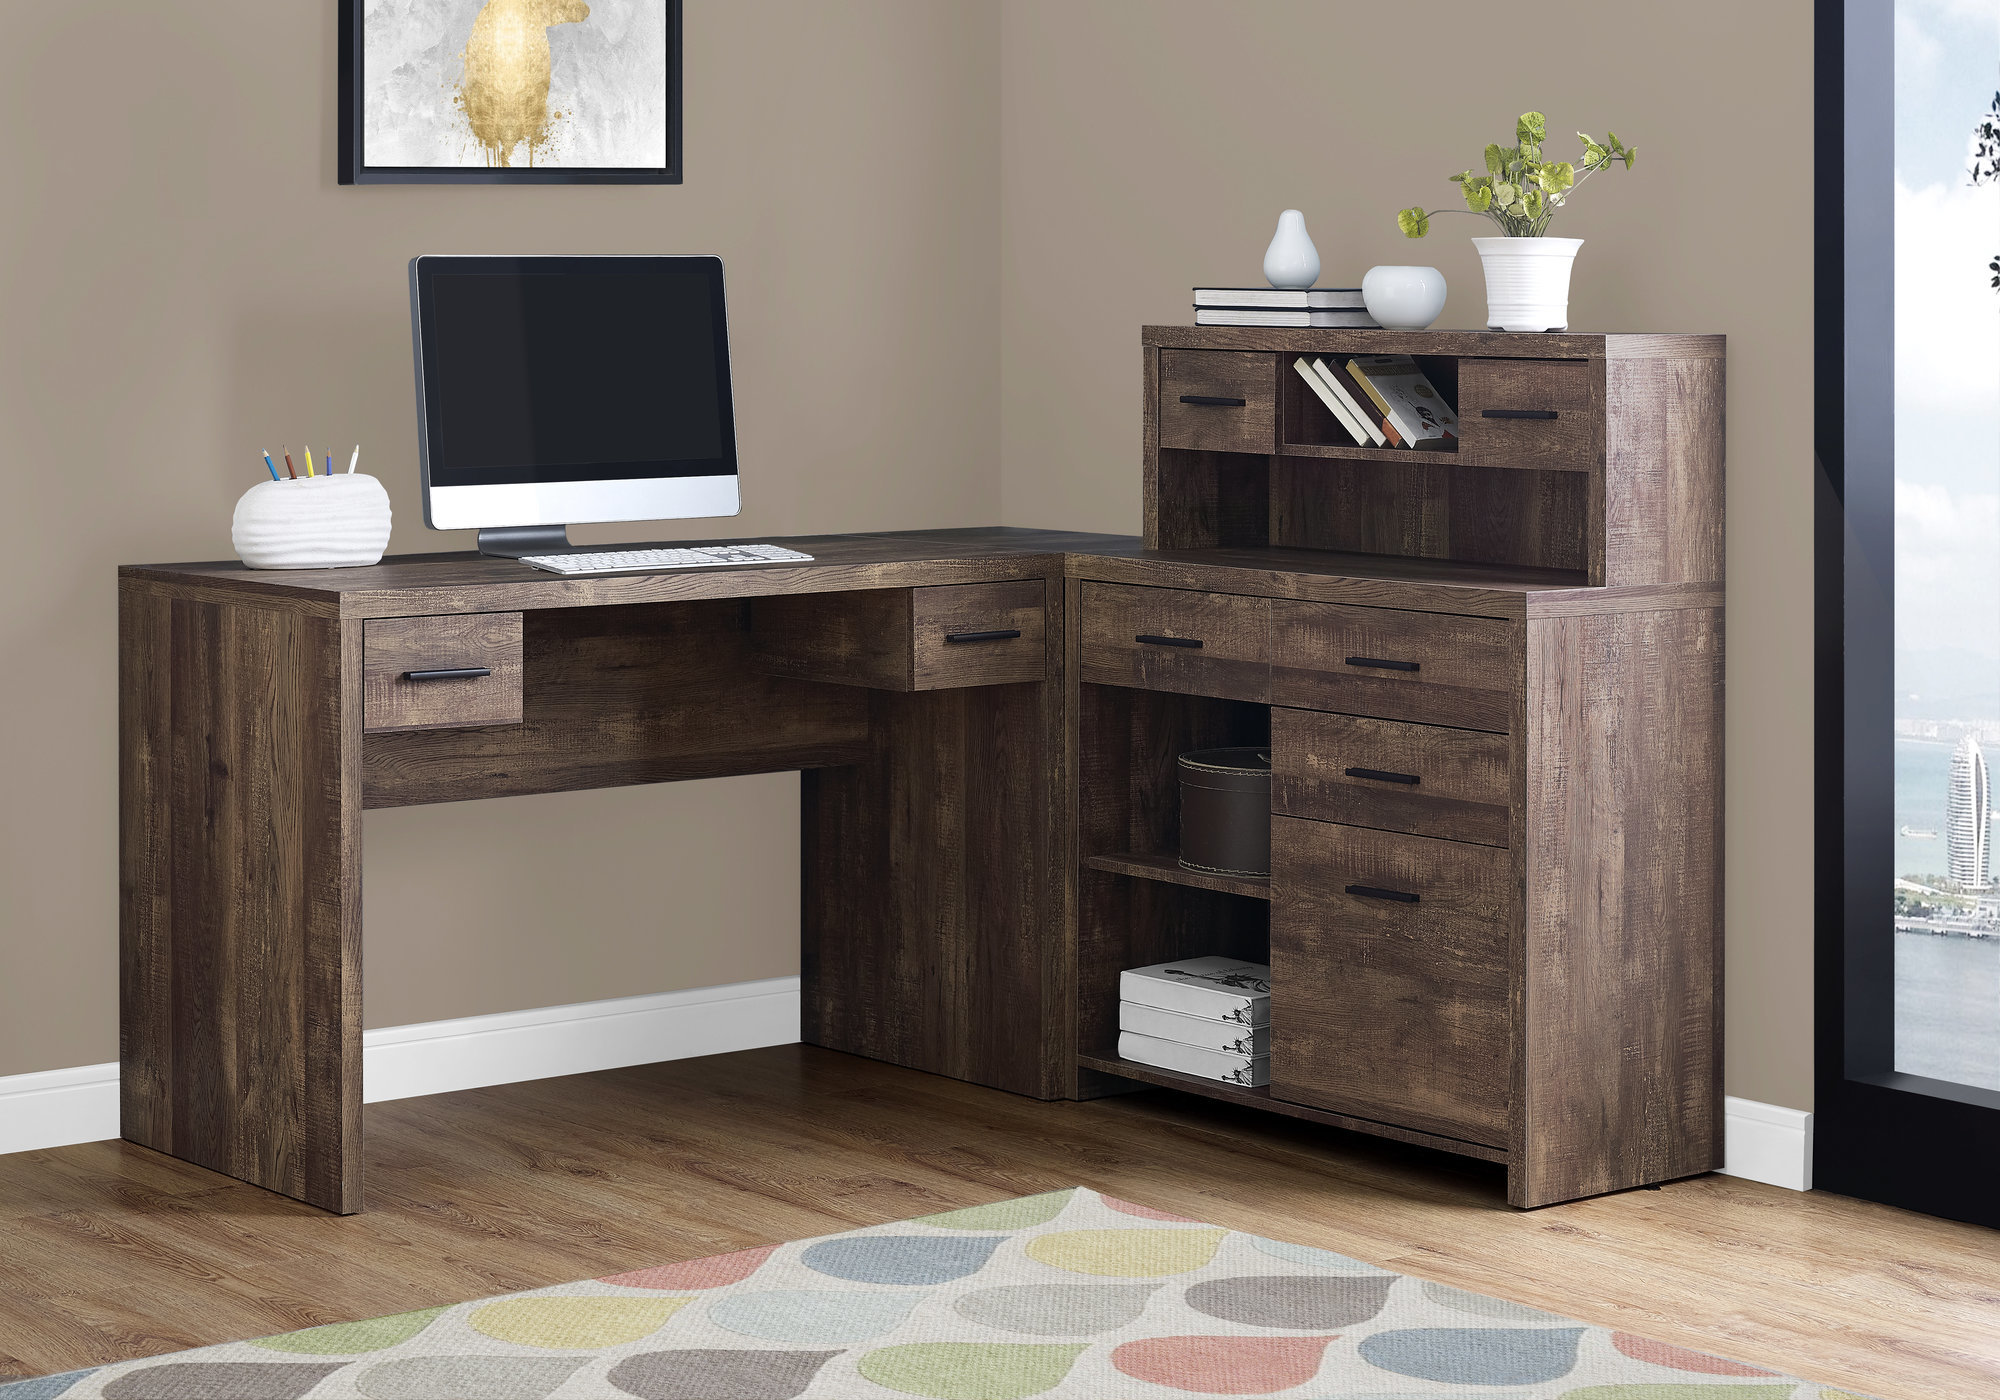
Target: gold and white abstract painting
[(514, 84)]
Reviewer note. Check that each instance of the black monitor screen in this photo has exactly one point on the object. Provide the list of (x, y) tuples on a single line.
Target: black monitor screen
[(573, 369)]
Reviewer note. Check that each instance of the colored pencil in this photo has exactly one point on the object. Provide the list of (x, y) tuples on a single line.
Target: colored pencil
[(272, 465), (329, 464), (290, 470), (354, 459), (309, 461)]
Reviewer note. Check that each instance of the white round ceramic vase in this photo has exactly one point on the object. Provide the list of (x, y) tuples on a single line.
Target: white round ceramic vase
[(1527, 282), (1403, 298), (316, 522), (1291, 260)]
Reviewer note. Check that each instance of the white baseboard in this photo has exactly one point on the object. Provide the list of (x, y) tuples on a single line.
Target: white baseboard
[(57, 1107), (438, 1057), (1763, 1142)]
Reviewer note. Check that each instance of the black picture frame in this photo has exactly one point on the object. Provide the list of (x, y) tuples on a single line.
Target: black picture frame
[(353, 172), (1923, 1144)]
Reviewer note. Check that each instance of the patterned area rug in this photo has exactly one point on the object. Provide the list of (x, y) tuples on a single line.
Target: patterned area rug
[(1070, 1296)]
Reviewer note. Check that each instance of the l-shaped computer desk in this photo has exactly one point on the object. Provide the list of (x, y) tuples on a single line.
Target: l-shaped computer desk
[(1491, 681)]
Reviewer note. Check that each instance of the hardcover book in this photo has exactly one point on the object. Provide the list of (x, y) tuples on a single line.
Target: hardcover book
[(1251, 1071), (1252, 316), (1198, 1031), (1359, 404), (1219, 989), (1282, 298), (1341, 413), (1406, 397)]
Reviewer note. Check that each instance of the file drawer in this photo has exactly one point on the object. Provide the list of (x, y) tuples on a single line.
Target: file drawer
[(1389, 977), (1529, 413), (1219, 400), (1175, 639), (1429, 668), (1420, 779), (457, 672)]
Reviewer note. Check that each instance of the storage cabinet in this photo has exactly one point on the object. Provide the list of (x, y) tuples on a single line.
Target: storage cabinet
[(1492, 919)]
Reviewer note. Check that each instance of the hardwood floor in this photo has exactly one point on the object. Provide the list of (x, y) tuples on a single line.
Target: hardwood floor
[(109, 1251)]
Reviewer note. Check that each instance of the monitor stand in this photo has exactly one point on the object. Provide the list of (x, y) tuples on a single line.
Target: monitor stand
[(513, 541)]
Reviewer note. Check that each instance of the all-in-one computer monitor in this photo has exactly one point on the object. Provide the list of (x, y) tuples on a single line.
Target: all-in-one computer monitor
[(560, 390)]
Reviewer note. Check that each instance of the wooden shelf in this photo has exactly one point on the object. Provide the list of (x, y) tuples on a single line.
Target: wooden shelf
[(1171, 871), (1345, 453), (1262, 1100)]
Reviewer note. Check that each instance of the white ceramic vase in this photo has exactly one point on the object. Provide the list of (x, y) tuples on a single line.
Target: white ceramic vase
[(317, 522), (1403, 298), (1291, 260), (1527, 282)]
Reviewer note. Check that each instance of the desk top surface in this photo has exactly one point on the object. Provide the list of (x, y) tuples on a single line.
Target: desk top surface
[(404, 584)]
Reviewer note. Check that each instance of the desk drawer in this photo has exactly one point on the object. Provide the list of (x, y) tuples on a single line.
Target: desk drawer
[(1429, 668), (1219, 400), (978, 634), (1389, 977), (1420, 779), (1173, 639), (937, 638), (1528, 413), (458, 672)]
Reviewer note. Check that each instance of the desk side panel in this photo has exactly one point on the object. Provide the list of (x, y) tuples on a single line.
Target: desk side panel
[(240, 977), (1620, 1051), (932, 903)]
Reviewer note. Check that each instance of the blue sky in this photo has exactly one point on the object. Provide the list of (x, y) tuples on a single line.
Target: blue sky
[(1947, 339)]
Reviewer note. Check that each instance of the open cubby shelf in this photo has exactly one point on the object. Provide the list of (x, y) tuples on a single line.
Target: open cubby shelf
[(1306, 424), (1263, 1100), (1169, 870)]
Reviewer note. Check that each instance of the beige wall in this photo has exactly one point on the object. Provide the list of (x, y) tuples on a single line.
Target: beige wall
[(1148, 145), (182, 283)]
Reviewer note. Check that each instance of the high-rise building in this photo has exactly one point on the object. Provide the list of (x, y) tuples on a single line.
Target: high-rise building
[(1968, 831)]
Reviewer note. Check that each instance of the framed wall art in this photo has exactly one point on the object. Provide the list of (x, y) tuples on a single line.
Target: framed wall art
[(545, 92)]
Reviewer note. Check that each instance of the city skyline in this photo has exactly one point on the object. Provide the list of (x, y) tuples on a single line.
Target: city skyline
[(1968, 831)]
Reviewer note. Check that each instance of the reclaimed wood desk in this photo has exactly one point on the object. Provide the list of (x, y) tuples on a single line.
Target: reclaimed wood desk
[(1491, 680)]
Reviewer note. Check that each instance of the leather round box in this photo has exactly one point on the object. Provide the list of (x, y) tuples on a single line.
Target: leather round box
[(1226, 811)]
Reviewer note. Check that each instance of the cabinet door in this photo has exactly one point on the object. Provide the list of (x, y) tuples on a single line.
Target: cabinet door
[(1389, 977)]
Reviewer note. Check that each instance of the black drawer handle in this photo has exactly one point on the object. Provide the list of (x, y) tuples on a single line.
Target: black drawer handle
[(1152, 641), (1379, 664), (1377, 775), (1371, 892), (998, 634), (1517, 413), (456, 673), (1213, 401)]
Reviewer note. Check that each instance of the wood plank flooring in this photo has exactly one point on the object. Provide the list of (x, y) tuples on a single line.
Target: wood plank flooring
[(109, 1251)]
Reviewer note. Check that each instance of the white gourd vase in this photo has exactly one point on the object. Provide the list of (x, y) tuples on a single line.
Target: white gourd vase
[(1291, 260), (1527, 282), (316, 522)]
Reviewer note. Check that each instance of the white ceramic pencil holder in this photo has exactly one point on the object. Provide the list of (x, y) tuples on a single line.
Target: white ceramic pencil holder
[(316, 522)]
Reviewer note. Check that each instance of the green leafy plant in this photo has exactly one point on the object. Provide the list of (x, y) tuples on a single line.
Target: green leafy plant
[(1520, 191)]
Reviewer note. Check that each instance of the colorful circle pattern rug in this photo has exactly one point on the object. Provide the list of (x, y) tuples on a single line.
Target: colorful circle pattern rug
[(1069, 1296)]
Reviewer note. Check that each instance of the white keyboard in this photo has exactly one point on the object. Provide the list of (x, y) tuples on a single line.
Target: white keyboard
[(646, 561)]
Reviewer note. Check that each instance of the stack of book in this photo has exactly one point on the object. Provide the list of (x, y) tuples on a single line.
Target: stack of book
[(1382, 401), (1209, 1017), (1280, 306)]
